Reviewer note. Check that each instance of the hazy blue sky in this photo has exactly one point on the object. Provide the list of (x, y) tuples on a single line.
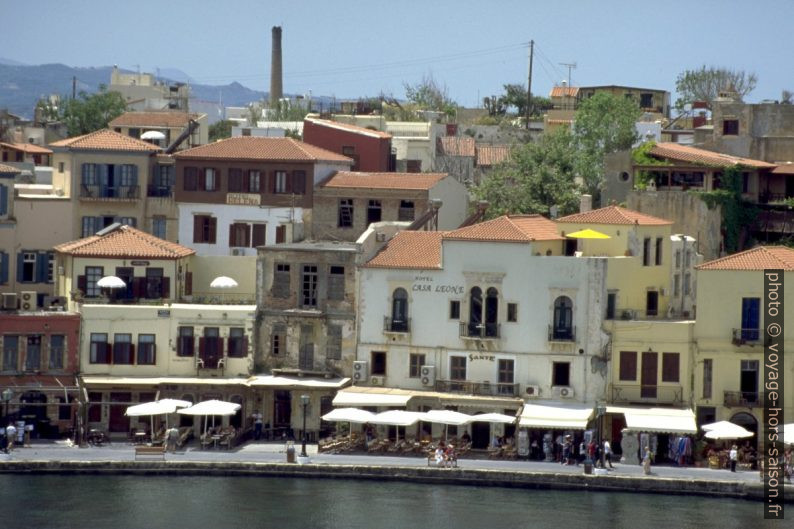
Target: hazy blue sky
[(354, 48)]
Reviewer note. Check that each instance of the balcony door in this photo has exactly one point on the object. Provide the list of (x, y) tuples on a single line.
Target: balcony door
[(650, 374), (748, 381)]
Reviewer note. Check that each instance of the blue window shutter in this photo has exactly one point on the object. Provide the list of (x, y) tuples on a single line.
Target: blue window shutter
[(3, 267), (3, 199), (41, 268), (20, 264)]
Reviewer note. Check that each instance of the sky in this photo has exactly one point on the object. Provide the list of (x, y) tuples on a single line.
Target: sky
[(350, 49)]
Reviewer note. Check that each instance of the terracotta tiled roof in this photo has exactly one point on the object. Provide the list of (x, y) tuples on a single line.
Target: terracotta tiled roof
[(8, 169), (786, 168), (258, 149), (489, 155), (106, 140), (348, 127), (153, 119), (27, 147), (759, 258), (410, 249), (563, 91), (456, 146), (614, 215), (125, 242), (686, 153), (408, 181), (509, 228)]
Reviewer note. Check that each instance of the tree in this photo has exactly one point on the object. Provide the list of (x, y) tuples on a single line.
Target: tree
[(536, 177), (603, 124), (220, 130), (90, 112), (515, 97), (705, 83), (430, 95)]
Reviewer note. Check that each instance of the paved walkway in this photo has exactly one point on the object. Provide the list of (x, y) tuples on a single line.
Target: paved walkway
[(275, 453)]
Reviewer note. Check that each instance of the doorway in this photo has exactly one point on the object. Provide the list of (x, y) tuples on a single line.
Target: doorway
[(119, 422), (282, 411), (650, 373), (480, 435)]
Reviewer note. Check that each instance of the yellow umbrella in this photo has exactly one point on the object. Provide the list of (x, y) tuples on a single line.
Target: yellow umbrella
[(588, 234)]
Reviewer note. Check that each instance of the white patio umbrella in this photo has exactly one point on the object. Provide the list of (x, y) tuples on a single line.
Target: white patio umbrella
[(447, 417), (349, 415), (788, 434), (498, 418), (223, 283), (211, 407), (111, 282), (152, 135), (726, 430), (398, 418), (158, 407)]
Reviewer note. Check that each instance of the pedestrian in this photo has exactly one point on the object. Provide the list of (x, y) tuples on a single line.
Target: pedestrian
[(257, 416), (11, 434), (788, 461), (171, 439), (608, 452), (646, 460), (734, 457)]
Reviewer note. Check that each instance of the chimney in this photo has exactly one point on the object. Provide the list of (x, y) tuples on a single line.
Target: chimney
[(585, 203), (276, 91)]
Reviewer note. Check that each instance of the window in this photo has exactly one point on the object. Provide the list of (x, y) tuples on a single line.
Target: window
[(562, 326), (651, 303), (454, 310), (687, 284), (3, 200), (658, 255), (60, 167), (475, 312), (122, 349), (309, 286), (280, 182), (235, 183), (258, 234), (4, 259), (92, 275), (147, 349), (399, 310), (156, 284), (204, 229), (730, 127), (299, 182), (239, 235), (277, 339), (333, 344), (164, 178), (57, 350), (688, 259), (336, 283), (628, 365), (708, 370), (413, 166), (506, 371), (306, 348), (748, 380), (254, 181), (33, 353), (100, 350), (561, 374), (373, 211), (646, 251), (280, 281), (10, 352), (191, 179), (89, 226), (350, 152), (379, 363), (670, 367), (512, 312), (611, 305), (185, 342), (159, 226), (281, 234), (28, 267), (415, 363), (457, 368), (210, 180), (676, 284), (345, 213), (95, 407), (678, 258), (237, 344), (750, 318), (210, 348), (406, 211), (646, 100)]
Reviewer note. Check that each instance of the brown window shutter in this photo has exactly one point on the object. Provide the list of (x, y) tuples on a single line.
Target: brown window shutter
[(628, 365), (166, 283), (247, 241), (232, 239), (288, 184), (300, 182), (281, 234), (235, 180), (191, 178), (81, 284), (259, 233), (218, 185), (197, 225), (139, 287), (273, 182), (188, 283), (213, 229), (670, 366)]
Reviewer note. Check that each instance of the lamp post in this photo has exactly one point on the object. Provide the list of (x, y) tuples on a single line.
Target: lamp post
[(601, 410), (7, 396), (305, 402)]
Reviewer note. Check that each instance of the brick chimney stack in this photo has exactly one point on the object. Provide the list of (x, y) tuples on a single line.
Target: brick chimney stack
[(276, 91)]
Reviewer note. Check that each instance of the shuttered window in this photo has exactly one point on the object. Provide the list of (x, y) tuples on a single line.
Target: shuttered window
[(333, 347), (191, 179), (281, 278), (258, 237), (670, 367), (628, 365), (235, 180), (336, 283), (204, 229)]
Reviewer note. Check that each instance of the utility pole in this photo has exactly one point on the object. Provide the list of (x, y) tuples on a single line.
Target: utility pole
[(570, 66), (529, 82)]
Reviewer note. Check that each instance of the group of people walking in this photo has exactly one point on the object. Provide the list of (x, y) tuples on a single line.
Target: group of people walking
[(591, 451)]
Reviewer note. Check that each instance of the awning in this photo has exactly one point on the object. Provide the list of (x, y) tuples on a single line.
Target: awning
[(290, 382), (353, 415), (356, 398), (398, 418), (499, 418), (658, 420), (447, 417), (43, 383), (556, 417), (588, 234), (156, 381)]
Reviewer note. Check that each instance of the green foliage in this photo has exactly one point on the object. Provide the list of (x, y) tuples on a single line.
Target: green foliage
[(220, 130), (705, 83), (515, 97), (285, 110), (536, 177), (737, 215), (640, 156), (90, 112), (428, 94)]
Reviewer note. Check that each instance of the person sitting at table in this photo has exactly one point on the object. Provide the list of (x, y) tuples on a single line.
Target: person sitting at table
[(440, 454), (466, 438)]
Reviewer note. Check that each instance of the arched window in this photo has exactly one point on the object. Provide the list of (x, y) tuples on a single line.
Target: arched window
[(399, 310), (562, 328), (475, 312), (492, 312)]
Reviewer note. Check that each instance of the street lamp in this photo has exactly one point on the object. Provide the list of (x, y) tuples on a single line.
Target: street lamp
[(305, 402), (7, 396), (601, 410)]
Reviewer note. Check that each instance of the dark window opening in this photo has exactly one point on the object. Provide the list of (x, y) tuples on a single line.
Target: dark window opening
[(379, 363), (561, 374)]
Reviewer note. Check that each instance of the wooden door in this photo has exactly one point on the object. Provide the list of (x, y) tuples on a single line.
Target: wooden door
[(118, 421), (650, 374)]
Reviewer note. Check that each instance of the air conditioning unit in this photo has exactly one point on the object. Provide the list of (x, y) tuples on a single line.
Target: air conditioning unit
[(428, 374), (10, 300), (380, 237), (29, 300), (238, 251), (532, 391), (562, 392), (376, 381), (360, 372)]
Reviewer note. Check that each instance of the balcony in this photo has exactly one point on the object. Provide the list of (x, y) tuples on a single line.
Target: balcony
[(744, 399), (498, 389), (566, 334), (747, 337), (644, 394), (112, 193), (479, 331), (396, 326), (159, 191)]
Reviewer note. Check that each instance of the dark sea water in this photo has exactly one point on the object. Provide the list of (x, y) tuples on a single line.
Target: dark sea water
[(93, 502)]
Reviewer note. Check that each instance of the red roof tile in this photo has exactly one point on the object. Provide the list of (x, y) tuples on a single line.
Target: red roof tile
[(759, 258), (509, 228), (153, 119), (106, 140), (563, 91), (687, 153), (786, 168), (490, 155), (614, 215), (348, 127), (410, 249), (408, 181), (8, 169), (258, 149), (27, 148), (456, 146), (125, 242)]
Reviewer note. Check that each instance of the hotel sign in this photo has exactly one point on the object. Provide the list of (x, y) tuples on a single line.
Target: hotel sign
[(423, 284), (243, 199)]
